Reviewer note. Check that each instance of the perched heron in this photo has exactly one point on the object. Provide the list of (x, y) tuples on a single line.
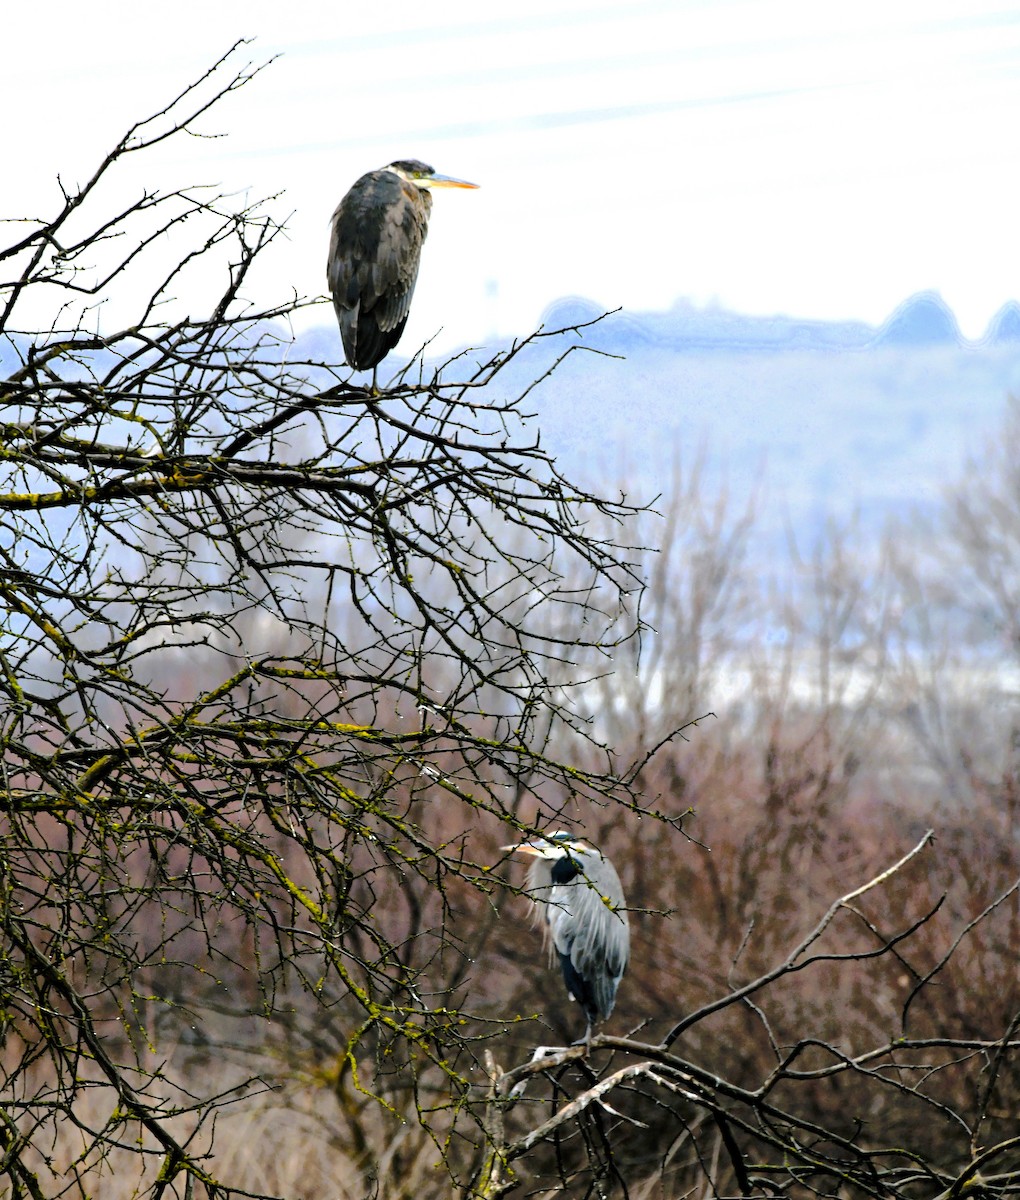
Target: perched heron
[(580, 896), (377, 234)]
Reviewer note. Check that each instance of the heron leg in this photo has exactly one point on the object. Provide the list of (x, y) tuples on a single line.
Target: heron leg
[(584, 1041)]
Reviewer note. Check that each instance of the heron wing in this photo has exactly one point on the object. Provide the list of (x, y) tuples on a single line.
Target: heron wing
[(600, 931)]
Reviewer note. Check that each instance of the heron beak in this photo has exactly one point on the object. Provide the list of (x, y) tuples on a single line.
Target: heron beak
[(445, 181), (526, 848)]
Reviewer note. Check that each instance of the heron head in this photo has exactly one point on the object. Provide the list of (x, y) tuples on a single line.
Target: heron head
[(422, 175), (553, 846)]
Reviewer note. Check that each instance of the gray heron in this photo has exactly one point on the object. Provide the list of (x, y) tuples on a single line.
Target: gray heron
[(579, 895), (374, 250)]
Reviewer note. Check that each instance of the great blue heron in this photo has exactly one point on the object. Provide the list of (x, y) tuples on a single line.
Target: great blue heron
[(581, 899), (377, 234)]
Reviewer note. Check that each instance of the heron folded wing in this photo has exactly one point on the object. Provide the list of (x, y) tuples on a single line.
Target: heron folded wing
[(600, 931), (395, 269), (347, 318)]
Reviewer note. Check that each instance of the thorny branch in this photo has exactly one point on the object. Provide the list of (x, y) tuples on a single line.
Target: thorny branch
[(258, 626), (773, 1145)]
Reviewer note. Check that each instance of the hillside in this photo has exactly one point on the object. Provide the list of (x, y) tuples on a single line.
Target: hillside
[(819, 419), (815, 419)]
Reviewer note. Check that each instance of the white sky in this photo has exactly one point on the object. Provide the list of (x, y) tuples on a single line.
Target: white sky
[(792, 156)]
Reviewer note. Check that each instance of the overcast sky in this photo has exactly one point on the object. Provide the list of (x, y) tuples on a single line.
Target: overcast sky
[(809, 158)]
